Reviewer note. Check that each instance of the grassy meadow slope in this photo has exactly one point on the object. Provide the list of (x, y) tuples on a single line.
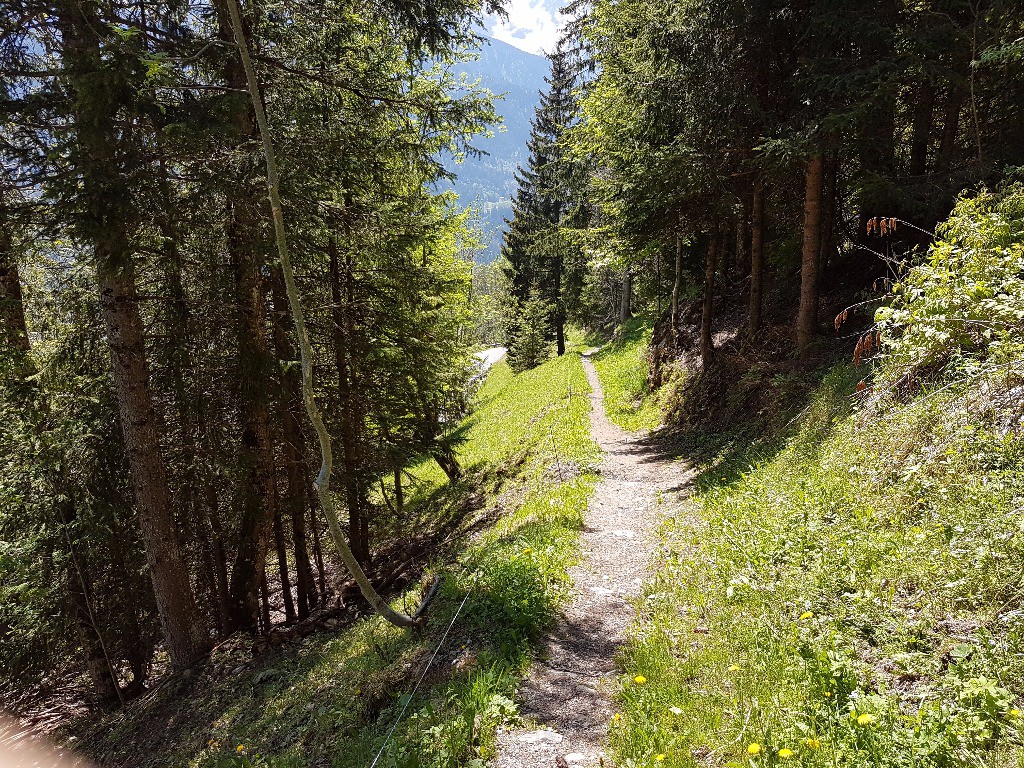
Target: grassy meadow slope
[(853, 595), (330, 699), (622, 368)]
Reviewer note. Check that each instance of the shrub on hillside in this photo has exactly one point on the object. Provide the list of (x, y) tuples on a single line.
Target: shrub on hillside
[(965, 303)]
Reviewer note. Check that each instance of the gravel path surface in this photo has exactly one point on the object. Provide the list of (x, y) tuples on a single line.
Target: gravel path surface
[(567, 696)]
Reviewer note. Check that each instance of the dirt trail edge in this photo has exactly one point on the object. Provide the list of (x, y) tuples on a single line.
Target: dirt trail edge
[(567, 696)]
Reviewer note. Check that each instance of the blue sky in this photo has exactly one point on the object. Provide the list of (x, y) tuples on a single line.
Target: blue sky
[(532, 25)]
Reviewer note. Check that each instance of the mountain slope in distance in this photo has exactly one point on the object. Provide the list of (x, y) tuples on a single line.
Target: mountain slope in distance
[(488, 182)]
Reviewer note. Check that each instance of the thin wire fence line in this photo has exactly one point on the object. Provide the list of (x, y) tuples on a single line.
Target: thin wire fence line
[(412, 694)]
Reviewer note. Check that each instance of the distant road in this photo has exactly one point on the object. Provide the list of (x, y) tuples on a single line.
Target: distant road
[(489, 357)]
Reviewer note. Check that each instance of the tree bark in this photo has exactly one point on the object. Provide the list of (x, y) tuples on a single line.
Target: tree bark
[(14, 341), (757, 225), (956, 94), (921, 129), (256, 452), (105, 197), (707, 348), (351, 416), (399, 490), (294, 447), (626, 302), (677, 287), (187, 638), (828, 211), (807, 315), (256, 449), (282, 569), (742, 254)]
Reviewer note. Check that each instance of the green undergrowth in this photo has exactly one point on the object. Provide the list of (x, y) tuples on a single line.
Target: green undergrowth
[(855, 596), (622, 368), (332, 700)]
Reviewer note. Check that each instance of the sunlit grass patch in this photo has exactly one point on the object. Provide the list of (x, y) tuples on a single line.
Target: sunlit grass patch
[(332, 700), (622, 368), (852, 600)]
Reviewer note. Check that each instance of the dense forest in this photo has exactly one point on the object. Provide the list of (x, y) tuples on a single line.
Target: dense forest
[(244, 402)]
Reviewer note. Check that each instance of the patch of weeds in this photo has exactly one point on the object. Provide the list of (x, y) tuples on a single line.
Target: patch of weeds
[(622, 368)]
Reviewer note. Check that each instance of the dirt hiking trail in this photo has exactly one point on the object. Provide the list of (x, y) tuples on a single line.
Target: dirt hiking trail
[(567, 696)]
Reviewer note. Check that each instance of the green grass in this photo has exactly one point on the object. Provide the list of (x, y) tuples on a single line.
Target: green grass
[(331, 700), (854, 598), (622, 368)]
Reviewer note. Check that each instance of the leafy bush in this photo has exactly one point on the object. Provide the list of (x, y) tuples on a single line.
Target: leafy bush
[(966, 302)]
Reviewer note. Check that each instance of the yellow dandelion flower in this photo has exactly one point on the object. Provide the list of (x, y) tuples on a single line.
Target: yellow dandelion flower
[(734, 667), (528, 550), (754, 749), (616, 717), (240, 748), (828, 694), (786, 753), (639, 679), (660, 757), (866, 719), (812, 743), (806, 615), (1014, 713)]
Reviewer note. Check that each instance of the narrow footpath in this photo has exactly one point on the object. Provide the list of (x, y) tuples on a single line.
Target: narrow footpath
[(567, 697)]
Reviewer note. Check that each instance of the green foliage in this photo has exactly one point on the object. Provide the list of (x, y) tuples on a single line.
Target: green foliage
[(965, 304), (622, 368)]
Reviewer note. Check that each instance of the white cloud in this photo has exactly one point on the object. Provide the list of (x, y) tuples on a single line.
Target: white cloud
[(531, 26)]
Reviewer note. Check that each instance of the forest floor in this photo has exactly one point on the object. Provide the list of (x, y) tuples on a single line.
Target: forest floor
[(566, 700)]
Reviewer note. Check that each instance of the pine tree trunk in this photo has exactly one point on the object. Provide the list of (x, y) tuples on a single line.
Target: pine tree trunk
[(757, 225), (255, 365), (559, 308), (677, 287), (399, 490), (921, 129), (294, 447), (828, 213), (186, 634), (282, 569), (351, 419), (14, 342), (318, 552), (807, 316), (741, 253), (626, 302), (706, 343), (256, 450), (220, 558), (100, 191), (956, 94)]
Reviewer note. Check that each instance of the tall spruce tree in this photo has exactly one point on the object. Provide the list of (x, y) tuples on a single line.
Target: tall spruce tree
[(541, 262)]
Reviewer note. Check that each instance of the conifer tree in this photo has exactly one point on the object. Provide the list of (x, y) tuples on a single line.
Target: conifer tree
[(541, 261)]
